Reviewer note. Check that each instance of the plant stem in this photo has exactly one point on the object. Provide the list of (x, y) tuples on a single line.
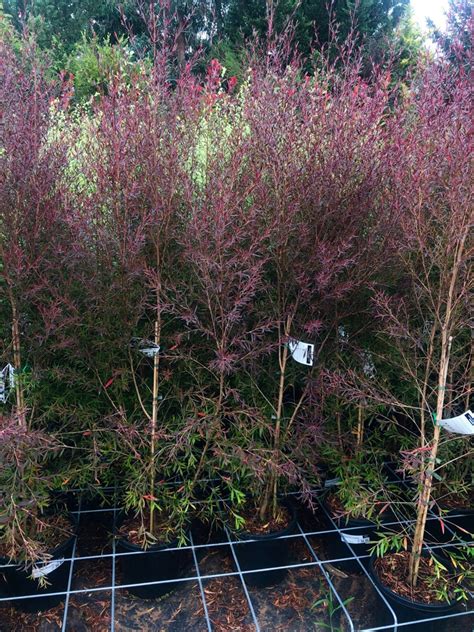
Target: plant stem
[(211, 430), (154, 418), (360, 427), (270, 496), (20, 398), (425, 386), (428, 468)]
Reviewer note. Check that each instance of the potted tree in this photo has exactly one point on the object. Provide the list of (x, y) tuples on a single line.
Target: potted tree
[(128, 223), (360, 500), (426, 320), (315, 239), (224, 241), (34, 544)]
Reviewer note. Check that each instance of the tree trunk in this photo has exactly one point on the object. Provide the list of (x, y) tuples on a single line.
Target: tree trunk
[(181, 41), (424, 390), (428, 468), (270, 496), (154, 421)]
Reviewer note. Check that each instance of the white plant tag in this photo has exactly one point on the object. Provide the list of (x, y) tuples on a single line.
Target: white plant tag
[(147, 347), (462, 424), (302, 352), (350, 538), (332, 482), (46, 569), (3, 389), (149, 352), (7, 382)]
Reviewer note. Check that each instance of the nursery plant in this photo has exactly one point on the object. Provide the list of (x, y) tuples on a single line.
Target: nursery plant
[(314, 177), (33, 238), (425, 318), (223, 244), (437, 230), (359, 487), (128, 223), (127, 220)]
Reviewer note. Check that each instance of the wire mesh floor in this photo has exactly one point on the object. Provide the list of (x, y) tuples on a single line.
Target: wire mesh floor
[(214, 595)]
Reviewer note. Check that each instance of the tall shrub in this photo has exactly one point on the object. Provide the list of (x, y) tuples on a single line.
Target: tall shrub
[(34, 241), (424, 317), (318, 144), (127, 248)]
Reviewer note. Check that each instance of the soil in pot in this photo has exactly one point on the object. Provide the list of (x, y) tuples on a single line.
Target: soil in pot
[(390, 574), (43, 577), (359, 533), (269, 546), (162, 561)]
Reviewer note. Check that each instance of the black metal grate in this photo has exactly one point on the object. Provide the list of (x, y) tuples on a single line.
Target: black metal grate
[(200, 577)]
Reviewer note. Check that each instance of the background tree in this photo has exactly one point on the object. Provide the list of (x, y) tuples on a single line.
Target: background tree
[(219, 26), (314, 20), (456, 39)]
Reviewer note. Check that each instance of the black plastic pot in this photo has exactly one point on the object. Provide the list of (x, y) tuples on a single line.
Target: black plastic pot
[(461, 521), (406, 610), (356, 532), (268, 550), (393, 475), (158, 563), (95, 508), (18, 582)]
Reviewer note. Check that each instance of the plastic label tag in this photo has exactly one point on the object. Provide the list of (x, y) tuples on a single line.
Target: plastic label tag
[(7, 382), (149, 352), (332, 482), (462, 424), (302, 352), (46, 569), (350, 538), (147, 347)]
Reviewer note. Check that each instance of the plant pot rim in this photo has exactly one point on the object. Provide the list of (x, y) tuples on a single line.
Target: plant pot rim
[(272, 535), (343, 521), (153, 548), (420, 605), (461, 511)]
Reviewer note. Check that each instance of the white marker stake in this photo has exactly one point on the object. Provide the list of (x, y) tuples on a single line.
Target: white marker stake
[(462, 424), (302, 352)]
